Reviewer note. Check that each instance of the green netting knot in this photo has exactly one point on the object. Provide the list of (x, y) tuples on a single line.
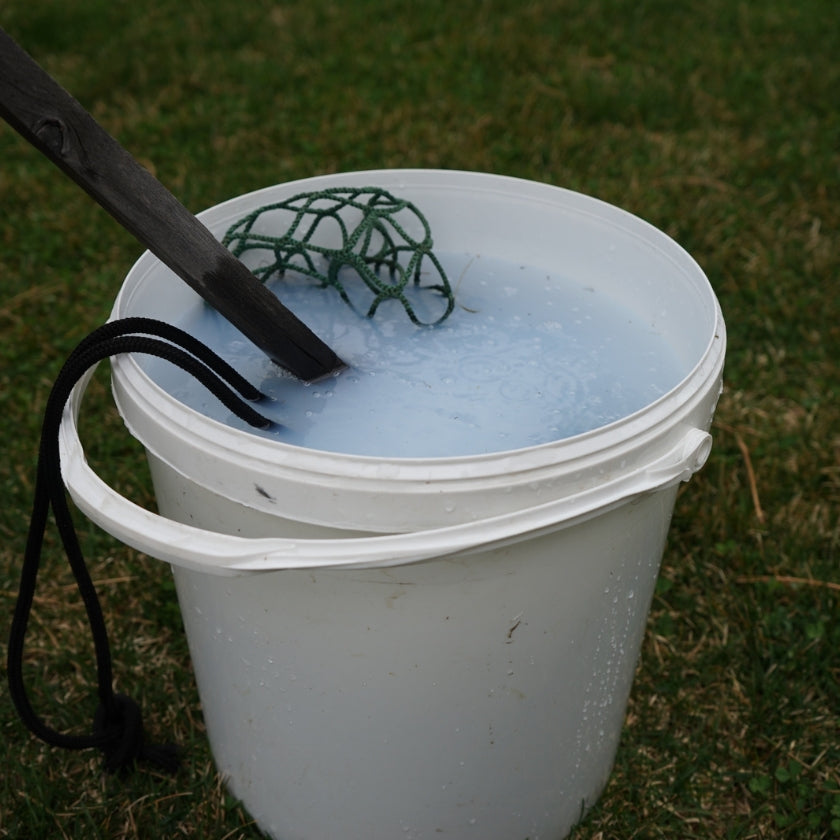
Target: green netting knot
[(365, 229)]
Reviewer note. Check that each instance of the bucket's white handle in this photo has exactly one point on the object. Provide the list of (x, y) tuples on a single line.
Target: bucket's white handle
[(224, 554)]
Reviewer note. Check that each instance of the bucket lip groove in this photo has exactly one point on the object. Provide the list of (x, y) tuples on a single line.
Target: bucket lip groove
[(573, 452)]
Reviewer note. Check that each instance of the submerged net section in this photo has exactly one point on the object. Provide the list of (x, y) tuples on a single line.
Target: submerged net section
[(339, 234)]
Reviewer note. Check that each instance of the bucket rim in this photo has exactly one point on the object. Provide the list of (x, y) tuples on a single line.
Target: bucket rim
[(574, 451)]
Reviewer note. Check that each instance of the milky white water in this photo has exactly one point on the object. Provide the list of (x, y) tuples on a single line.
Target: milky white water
[(525, 358)]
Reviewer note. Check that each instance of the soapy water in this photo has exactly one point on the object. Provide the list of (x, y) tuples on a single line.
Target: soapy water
[(525, 358)]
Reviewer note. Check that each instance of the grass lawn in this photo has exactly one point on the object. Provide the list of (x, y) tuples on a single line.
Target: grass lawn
[(717, 122)]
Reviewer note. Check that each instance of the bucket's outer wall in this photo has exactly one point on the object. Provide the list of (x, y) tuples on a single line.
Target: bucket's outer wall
[(476, 696)]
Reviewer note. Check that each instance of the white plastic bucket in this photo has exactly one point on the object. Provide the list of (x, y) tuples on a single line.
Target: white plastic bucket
[(422, 647)]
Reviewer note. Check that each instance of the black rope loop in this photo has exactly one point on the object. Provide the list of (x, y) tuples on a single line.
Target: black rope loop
[(175, 335), (118, 726)]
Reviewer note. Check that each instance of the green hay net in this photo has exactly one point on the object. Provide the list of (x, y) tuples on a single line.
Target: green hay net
[(364, 229)]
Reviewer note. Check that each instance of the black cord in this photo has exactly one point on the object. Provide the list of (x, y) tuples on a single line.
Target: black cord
[(161, 329), (118, 726)]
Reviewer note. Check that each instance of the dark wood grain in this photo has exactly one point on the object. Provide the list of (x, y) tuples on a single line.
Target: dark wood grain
[(36, 106)]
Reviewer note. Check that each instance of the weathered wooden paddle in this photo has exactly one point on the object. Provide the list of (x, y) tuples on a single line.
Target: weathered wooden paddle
[(36, 106)]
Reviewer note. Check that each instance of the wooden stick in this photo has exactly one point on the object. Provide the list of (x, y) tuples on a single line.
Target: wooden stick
[(46, 115)]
